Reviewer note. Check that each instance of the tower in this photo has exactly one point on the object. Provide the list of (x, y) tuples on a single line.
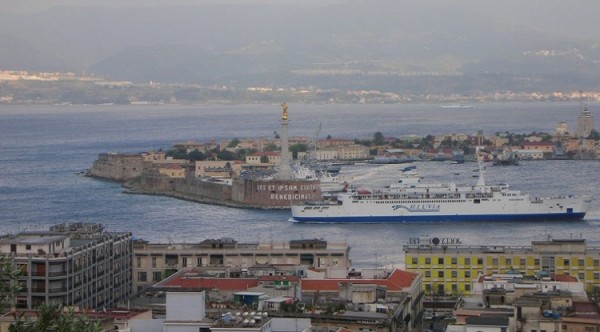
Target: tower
[(285, 171), (585, 123)]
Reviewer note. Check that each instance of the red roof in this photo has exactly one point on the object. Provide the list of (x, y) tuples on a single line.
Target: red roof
[(397, 281), (279, 278), (585, 307), (565, 278)]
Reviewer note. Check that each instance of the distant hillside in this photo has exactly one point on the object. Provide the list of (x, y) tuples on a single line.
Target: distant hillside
[(355, 44)]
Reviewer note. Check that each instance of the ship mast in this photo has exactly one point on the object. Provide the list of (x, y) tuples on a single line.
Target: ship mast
[(481, 180)]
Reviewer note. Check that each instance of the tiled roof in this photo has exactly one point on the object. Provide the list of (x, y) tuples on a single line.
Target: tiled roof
[(397, 281), (565, 278), (279, 278)]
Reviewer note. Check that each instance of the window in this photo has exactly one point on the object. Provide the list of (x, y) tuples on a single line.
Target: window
[(428, 288), (567, 262), (157, 276), (467, 261), (454, 261), (427, 274), (581, 276), (28, 246), (494, 261), (142, 276), (454, 288), (440, 274), (468, 287), (415, 260), (523, 262), (596, 276), (153, 262), (441, 289), (454, 274), (139, 261), (441, 261), (479, 261), (427, 260), (536, 262), (467, 274), (582, 262), (508, 261)]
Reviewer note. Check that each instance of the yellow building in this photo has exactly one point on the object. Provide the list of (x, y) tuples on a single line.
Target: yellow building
[(450, 267)]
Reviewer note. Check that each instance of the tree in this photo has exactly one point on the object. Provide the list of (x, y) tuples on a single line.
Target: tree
[(196, 155), (177, 153), (9, 281), (378, 138), (226, 155), (53, 318), (234, 142), (594, 134), (298, 147), (271, 147)]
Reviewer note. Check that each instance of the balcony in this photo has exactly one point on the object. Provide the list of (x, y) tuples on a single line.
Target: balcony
[(57, 274), (57, 290)]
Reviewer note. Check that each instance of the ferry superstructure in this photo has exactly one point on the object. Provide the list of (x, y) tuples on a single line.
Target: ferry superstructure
[(410, 200)]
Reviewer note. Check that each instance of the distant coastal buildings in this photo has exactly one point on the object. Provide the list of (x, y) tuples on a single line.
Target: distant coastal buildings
[(22, 87)]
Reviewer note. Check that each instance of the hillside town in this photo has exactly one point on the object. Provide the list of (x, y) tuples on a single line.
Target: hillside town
[(19, 87)]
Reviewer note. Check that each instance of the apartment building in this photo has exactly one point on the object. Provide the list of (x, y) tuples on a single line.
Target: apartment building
[(451, 267), (74, 264), (153, 262)]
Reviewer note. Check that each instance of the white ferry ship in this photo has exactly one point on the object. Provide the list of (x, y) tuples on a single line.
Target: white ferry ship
[(410, 200)]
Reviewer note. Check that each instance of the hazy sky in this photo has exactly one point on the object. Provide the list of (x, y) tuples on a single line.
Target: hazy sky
[(39, 5), (575, 16)]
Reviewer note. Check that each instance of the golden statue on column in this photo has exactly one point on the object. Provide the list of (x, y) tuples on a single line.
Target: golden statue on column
[(284, 116)]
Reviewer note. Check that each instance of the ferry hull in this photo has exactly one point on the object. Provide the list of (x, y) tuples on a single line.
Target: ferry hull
[(441, 218)]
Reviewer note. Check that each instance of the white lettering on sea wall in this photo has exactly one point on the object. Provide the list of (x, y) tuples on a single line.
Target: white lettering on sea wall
[(286, 187), (289, 197)]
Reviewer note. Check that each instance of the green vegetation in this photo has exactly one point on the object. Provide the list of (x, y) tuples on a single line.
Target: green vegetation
[(53, 318), (298, 147), (9, 277)]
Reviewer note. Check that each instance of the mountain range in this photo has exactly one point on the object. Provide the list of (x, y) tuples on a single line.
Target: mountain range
[(357, 44)]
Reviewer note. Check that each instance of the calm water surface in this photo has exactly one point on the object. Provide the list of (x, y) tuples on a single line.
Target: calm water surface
[(43, 147)]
